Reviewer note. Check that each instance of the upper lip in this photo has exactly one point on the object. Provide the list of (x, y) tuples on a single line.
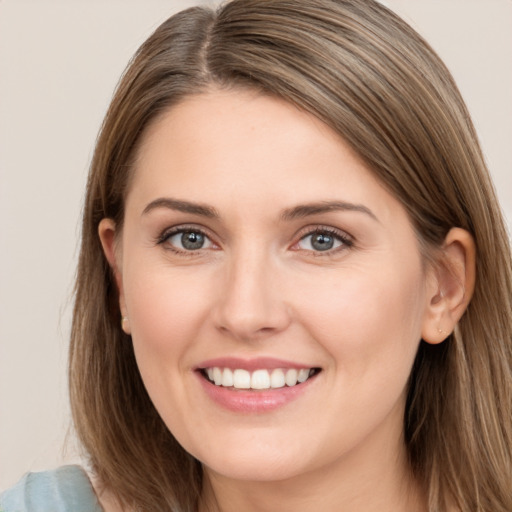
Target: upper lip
[(258, 363)]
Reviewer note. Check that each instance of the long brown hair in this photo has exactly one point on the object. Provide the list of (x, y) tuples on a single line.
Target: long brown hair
[(365, 73)]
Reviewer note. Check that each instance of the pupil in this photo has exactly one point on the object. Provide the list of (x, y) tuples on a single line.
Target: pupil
[(192, 240), (322, 242)]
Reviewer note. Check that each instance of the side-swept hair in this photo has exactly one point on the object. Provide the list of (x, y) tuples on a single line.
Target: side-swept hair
[(364, 72)]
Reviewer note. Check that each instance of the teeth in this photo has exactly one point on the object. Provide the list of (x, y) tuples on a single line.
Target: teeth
[(227, 378), (217, 376), (277, 379), (291, 377), (303, 375), (259, 379), (241, 379)]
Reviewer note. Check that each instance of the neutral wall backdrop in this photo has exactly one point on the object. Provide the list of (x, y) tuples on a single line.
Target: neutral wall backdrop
[(59, 63)]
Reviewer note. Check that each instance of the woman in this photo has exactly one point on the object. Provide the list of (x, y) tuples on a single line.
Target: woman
[(294, 287)]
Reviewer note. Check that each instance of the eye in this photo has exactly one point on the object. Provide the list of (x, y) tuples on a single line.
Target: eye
[(187, 240), (322, 240)]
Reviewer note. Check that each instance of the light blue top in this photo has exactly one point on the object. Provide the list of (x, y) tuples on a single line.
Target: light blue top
[(66, 489)]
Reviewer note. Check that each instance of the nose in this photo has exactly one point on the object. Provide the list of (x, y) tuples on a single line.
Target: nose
[(251, 303)]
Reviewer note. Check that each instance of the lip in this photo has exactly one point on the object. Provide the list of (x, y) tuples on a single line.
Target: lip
[(255, 401), (251, 365)]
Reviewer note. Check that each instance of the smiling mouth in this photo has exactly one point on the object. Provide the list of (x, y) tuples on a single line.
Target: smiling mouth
[(258, 379)]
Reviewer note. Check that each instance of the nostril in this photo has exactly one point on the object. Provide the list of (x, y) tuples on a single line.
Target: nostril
[(253, 324)]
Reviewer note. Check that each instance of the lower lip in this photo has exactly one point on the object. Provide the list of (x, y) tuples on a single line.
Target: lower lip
[(257, 401)]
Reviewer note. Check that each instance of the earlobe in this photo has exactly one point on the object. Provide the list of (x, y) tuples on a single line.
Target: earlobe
[(451, 286), (107, 234)]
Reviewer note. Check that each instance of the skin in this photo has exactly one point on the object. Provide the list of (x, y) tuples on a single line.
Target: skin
[(259, 288)]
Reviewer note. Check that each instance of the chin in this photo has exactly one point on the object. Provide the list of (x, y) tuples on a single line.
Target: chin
[(257, 469), (257, 460)]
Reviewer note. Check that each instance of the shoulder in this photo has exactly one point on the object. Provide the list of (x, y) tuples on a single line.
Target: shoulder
[(66, 489)]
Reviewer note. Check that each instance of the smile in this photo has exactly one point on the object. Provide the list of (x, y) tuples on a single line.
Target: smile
[(258, 379)]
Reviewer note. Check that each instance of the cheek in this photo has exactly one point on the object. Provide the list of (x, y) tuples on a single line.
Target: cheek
[(166, 310), (363, 318), (370, 326)]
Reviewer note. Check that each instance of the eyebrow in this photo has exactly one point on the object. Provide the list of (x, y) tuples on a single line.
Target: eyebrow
[(297, 212), (306, 210), (181, 206)]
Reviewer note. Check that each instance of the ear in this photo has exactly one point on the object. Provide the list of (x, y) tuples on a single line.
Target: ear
[(451, 286), (107, 234)]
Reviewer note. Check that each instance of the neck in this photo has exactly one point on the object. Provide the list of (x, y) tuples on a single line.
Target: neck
[(373, 478)]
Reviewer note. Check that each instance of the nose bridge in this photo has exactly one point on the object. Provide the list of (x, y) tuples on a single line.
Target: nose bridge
[(250, 301)]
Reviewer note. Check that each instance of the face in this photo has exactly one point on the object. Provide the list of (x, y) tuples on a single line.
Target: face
[(274, 290)]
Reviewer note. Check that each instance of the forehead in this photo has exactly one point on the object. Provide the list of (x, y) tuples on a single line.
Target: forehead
[(243, 148)]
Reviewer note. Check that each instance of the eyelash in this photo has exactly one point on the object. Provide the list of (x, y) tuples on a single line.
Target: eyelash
[(168, 233), (346, 241)]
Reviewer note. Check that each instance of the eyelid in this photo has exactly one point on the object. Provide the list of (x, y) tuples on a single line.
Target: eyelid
[(346, 239), (180, 228)]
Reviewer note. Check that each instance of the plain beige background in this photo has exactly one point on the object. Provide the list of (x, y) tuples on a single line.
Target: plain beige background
[(59, 63)]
